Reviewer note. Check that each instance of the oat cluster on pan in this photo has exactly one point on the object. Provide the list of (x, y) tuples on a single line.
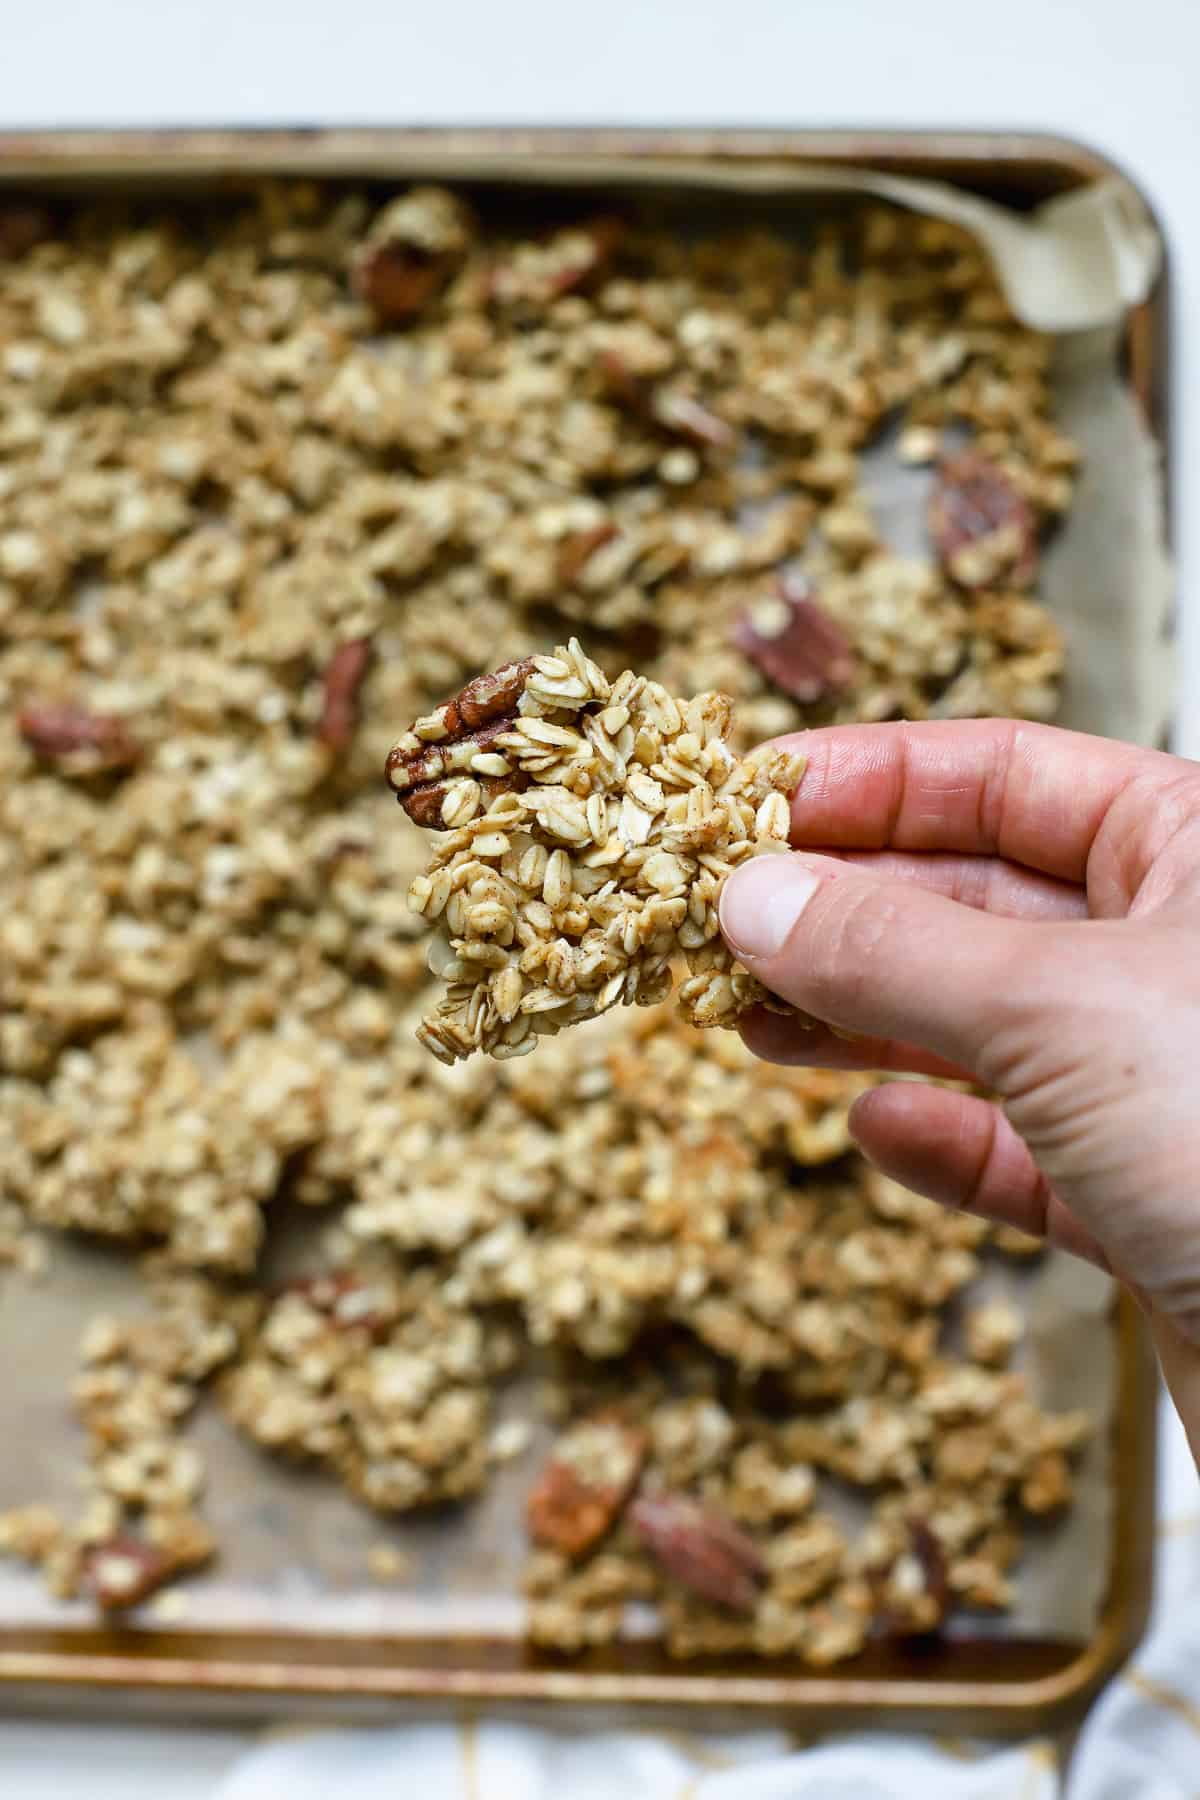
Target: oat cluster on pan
[(616, 813), (280, 471)]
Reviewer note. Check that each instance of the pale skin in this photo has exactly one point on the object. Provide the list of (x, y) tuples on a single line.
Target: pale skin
[(1016, 906)]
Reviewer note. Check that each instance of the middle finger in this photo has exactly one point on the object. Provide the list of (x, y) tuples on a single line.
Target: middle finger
[(783, 1038)]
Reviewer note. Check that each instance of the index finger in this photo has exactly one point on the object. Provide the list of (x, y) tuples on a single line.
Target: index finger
[(1034, 794)]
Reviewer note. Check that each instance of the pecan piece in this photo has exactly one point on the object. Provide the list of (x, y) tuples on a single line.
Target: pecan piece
[(412, 250), (584, 1484), (983, 529), (124, 1570), (22, 225), (458, 739), (426, 805), (492, 695), (679, 414), (795, 643), (398, 281), (685, 417), (414, 772), (912, 1592), (576, 550), (341, 693), (701, 1549), (621, 385), (85, 742)]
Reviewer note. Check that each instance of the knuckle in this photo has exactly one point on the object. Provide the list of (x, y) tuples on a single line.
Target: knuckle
[(1004, 749), (1184, 1311), (1003, 1177), (1151, 821), (981, 1157), (975, 884)]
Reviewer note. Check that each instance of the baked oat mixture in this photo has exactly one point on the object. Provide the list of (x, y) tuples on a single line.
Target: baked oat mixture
[(279, 476), (616, 813)]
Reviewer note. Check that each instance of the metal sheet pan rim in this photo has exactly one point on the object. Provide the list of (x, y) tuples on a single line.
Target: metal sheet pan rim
[(722, 157)]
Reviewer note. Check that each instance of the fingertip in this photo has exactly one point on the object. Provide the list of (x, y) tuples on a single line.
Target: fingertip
[(860, 1112), (771, 1036), (902, 1127), (794, 1040), (890, 1104)]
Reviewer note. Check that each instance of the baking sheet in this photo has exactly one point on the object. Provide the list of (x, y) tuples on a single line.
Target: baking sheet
[(293, 1547)]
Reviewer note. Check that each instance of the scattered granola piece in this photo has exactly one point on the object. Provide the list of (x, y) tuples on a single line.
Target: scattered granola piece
[(983, 528), (1047, 1487), (534, 274), (403, 1414), (31, 1532), (121, 1572), (386, 1563), (992, 1331), (410, 253), (574, 1606), (510, 1439), (919, 444)]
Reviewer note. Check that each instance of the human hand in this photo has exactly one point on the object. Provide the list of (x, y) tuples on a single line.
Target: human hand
[(1019, 907)]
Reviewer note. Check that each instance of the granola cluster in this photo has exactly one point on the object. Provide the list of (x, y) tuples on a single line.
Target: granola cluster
[(279, 470), (723, 1505), (619, 812), (374, 1373), (140, 1525)]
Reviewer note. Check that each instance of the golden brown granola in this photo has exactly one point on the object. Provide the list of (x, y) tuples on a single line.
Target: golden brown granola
[(139, 1526), (278, 472), (731, 1531), (370, 1372), (597, 864)]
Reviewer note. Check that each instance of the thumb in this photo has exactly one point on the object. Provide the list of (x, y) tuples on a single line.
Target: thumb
[(884, 958)]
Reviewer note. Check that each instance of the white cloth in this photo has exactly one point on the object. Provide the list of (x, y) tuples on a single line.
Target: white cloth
[(1141, 1742)]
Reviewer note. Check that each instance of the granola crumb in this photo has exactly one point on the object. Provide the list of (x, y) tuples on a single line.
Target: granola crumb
[(169, 1606), (992, 1331), (386, 1563), (509, 1440)]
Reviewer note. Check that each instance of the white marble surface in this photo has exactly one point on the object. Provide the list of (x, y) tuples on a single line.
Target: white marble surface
[(1120, 77)]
